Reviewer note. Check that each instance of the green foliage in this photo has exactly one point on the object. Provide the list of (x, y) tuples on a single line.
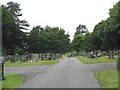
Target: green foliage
[(78, 42), (108, 35), (105, 36), (108, 30), (8, 31), (14, 8), (12, 28), (98, 60), (83, 42), (39, 40), (81, 29), (108, 78), (91, 42), (48, 39), (96, 41)]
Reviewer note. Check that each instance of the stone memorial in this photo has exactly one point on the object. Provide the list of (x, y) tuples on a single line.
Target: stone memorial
[(34, 58), (103, 53), (48, 56), (43, 56), (57, 55), (22, 58), (53, 56)]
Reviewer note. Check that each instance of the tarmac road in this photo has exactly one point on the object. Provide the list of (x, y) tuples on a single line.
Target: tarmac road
[(68, 73)]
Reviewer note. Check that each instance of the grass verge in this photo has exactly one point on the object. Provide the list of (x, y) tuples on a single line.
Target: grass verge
[(108, 78), (98, 60), (12, 81), (29, 63)]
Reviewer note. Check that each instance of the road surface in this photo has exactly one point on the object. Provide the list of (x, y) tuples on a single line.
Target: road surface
[(68, 73)]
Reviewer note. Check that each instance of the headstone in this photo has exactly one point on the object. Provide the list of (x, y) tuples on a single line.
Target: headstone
[(35, 57), (48, 56), (83, 54), (39, 56), (43, 56), (54, 57), (92, 55), (8, 58), (22, 58), (103, 52), (57, 55)]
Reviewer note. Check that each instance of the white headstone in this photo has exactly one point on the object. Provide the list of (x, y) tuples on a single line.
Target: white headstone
[(35, 57)]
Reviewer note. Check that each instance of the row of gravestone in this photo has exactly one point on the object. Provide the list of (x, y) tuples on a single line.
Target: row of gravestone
[(31, 57), (49, 56), (14, 58), (96, 53), (45, 56)]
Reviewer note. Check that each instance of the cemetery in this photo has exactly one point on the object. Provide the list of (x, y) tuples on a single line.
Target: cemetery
[(43, 54), (96, 57)]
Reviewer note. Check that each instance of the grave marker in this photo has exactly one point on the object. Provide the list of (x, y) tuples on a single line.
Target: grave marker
[(35, 57)]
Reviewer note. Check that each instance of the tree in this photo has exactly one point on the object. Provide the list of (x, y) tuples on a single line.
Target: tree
[(81, 29), (115, 24), (34, 40), (88, 42), (78, 43), (109, 29), (48, 39), (11, 28), (58, 40), (9, 31), (16, 12), (105, 35)]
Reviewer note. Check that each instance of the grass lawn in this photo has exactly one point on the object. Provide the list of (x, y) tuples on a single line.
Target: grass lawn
[(97, 60), (12, 81), (29, 63), (108, 78)]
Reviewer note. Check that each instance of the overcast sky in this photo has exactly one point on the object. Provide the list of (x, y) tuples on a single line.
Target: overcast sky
[(67, 14)]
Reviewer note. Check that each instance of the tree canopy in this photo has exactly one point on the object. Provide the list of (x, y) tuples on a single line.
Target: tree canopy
[(48, 39), (11, 28), (81, 29), (105, 35)]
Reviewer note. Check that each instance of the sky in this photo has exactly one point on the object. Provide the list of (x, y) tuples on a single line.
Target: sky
[(67, 14)]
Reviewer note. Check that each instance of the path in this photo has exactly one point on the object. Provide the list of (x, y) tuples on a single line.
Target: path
[(68, 73)]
